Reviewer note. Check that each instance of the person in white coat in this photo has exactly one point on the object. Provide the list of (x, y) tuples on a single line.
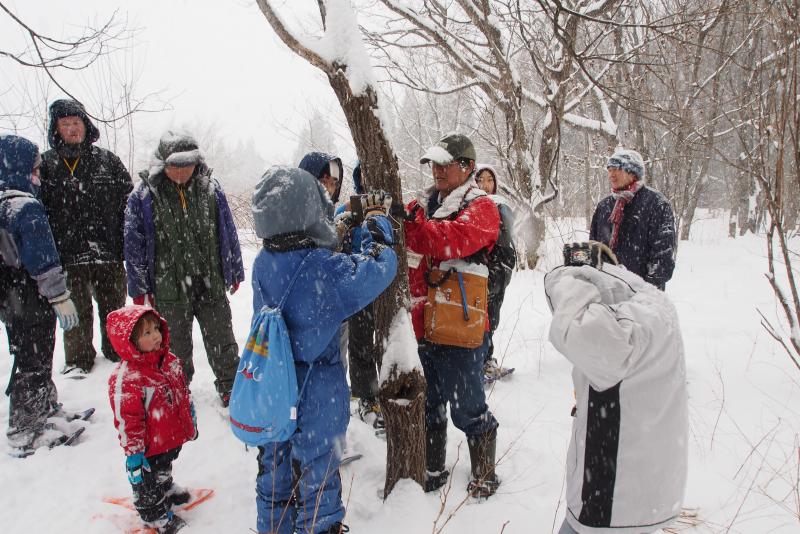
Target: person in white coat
[(628, 458)]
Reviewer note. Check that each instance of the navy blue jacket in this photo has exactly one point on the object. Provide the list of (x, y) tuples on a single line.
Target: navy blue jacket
[(25, 237), (646, 240)]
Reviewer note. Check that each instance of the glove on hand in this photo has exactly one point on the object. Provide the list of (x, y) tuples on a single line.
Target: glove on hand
[(380, 229), (65, 311), (136, 464), (591, 253), (145, 300), (377, 203), (234, 288)]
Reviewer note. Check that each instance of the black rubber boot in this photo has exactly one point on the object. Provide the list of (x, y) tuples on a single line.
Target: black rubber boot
[(435, 456), (482, 452)]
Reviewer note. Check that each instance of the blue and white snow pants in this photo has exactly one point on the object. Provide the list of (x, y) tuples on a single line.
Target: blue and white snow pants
[(298, 487)]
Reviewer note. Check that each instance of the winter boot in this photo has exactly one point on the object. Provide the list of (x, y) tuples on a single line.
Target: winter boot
[(435, 457), (482, 451), (176, 496), (169, 524)]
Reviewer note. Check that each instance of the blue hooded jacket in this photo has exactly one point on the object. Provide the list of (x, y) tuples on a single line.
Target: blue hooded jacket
[(25, 237), (291, 215)]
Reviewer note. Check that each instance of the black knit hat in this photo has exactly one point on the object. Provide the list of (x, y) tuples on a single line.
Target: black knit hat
[(70, 108)]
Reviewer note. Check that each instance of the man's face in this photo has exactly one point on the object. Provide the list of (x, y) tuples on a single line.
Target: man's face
[(71, 129), (179, 175), (619, 179), (448, 177)]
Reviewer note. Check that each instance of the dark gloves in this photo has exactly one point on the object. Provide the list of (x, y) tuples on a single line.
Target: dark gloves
[(592, 253)]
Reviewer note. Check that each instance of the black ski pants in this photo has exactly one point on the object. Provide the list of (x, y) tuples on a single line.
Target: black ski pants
[(31, 327), (105, 283), (150, 495), (363, 354)]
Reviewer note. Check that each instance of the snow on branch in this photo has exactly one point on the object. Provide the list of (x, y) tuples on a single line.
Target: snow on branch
[(339, 48)]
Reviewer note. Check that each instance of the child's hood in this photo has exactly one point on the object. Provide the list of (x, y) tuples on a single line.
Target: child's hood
[(119, 326)]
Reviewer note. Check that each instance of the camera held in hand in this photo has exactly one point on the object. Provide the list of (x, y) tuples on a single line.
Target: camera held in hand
[(593, 253)]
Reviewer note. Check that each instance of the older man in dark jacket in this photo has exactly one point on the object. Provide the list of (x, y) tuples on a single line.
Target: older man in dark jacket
[(84, 188), (183, 253), (635, 221)]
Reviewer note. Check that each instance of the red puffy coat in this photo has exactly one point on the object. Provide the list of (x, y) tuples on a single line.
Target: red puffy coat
[(148, 393), (452, 232)]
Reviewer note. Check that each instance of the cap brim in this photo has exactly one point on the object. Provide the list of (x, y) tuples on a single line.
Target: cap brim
[(436, 154)]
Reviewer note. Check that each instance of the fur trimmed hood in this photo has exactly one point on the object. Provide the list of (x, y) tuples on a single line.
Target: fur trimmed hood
[(452, 203)]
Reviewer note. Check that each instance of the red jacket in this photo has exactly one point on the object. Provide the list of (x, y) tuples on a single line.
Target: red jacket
[(148, 393), (452, 232)]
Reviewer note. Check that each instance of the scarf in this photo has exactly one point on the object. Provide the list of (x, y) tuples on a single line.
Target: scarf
[(623, 196)]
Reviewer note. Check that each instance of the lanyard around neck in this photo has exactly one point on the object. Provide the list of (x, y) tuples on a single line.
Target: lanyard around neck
[(73, 166)]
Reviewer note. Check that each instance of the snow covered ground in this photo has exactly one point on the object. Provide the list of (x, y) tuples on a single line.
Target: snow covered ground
[(744, 424)]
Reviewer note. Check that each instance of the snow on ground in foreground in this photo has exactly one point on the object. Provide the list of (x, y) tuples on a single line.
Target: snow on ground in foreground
[(744, 421)]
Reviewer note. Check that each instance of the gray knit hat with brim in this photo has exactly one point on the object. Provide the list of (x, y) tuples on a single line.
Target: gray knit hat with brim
[(290, 200), (628, 160)]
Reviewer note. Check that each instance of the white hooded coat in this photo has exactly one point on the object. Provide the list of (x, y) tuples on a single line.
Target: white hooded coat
[(628, 457)]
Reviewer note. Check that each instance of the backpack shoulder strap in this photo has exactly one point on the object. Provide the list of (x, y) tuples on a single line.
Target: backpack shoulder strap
[(293, 280)]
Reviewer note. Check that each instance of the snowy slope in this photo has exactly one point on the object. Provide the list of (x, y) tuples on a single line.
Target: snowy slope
[(743, 413)]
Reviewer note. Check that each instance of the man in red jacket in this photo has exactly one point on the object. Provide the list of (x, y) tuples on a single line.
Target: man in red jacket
[(453, 220)]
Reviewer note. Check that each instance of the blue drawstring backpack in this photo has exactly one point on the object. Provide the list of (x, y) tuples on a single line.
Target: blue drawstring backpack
[(263, 403)]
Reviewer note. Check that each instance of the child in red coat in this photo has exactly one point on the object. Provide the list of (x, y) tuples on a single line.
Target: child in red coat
[(153, 412)]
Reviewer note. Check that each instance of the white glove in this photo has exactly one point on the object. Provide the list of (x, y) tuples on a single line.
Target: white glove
[(377, 203), (65, 311)]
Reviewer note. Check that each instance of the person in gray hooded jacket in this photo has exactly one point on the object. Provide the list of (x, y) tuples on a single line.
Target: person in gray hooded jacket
[(627, 461)]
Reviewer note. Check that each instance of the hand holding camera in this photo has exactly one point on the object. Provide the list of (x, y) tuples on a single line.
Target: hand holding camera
[(593, 253), (377, 203)]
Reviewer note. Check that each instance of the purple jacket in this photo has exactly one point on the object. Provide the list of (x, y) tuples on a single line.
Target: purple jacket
[(140, 240)]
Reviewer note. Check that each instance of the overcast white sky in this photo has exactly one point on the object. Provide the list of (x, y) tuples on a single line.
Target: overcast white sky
[(217, 61)]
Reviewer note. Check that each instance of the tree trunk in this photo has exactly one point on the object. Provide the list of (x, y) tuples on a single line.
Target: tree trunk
[(402, 395), (402, 401)]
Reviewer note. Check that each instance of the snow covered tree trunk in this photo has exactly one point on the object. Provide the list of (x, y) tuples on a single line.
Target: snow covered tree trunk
[(402, 394)]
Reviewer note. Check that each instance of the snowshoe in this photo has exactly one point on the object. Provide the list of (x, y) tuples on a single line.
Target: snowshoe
[(66, 439), (483, 489), (492, 371), (85, 415)]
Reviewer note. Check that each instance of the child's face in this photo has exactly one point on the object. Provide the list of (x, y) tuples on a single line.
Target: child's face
[(150, 339)]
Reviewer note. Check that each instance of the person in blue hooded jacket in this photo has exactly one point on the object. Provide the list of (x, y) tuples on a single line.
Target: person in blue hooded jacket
[(330, 287), (33, 292)]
